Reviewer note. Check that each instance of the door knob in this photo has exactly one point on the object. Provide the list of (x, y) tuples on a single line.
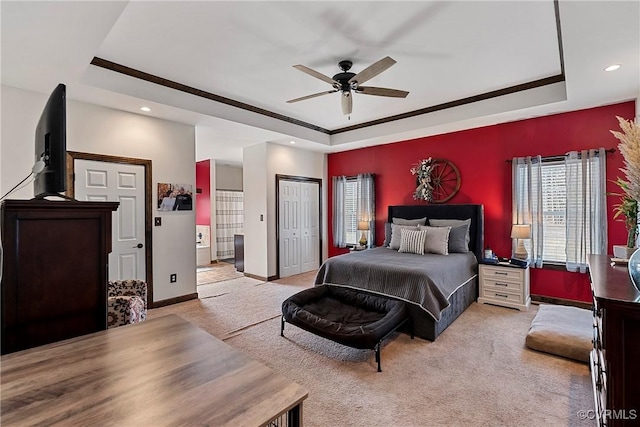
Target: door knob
[(139, 245)]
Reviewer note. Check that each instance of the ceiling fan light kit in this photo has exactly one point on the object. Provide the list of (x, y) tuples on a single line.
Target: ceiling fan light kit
[(346, 82)]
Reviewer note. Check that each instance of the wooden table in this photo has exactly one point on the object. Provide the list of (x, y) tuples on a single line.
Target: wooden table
[(161, 372)]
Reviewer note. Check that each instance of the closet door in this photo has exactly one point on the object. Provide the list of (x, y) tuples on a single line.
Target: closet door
[(289, 227), (309, 226)]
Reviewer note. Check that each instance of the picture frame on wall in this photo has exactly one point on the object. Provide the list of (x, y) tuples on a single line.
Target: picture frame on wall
[(175, 197)]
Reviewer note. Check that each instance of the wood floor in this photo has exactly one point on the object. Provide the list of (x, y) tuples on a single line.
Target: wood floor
[(217, 272)]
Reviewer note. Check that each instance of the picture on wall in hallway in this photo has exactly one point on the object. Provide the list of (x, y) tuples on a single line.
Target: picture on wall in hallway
[(175, 197)]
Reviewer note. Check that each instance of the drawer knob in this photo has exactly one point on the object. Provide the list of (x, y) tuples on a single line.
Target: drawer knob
[(502, 295), (501, 284), (501, 273)]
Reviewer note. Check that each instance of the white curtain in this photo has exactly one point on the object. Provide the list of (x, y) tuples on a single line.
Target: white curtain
[(527, 203), (586, 207), (229, 221), (366, 203)]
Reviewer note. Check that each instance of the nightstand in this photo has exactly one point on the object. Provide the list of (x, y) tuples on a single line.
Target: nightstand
[(504, 285)]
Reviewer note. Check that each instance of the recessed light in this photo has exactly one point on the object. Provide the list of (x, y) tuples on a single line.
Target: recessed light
[(612, 67), (145, 109), (292, 142)]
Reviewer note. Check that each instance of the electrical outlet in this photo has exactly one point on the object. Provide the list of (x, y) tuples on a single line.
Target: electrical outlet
[(158, 221), (173, 278)]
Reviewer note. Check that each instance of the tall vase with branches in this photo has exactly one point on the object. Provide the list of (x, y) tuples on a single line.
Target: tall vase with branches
[(627, 209)]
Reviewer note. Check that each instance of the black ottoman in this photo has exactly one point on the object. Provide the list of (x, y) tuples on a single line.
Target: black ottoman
[(346, 316)]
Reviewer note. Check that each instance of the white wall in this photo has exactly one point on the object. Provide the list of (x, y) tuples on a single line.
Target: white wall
[(93, 129), (254, 173), (228, 177)]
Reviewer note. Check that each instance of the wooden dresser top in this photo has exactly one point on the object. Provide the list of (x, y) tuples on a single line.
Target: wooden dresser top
[(611, 282)]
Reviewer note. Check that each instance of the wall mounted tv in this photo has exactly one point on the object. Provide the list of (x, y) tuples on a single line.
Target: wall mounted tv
[(50, 168)]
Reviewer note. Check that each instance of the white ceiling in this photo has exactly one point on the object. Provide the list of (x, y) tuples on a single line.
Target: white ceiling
[(244, 51)]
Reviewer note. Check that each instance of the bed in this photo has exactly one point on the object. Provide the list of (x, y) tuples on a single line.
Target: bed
[(436, 288)]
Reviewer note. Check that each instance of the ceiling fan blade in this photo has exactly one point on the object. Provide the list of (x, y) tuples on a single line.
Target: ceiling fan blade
[(382, 91), (312, 96), (372, 70), (347, 103), (315, 74)]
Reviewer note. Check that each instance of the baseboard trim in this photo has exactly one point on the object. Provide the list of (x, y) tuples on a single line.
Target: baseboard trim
[(537, 299), (175, 300), (264, 279)]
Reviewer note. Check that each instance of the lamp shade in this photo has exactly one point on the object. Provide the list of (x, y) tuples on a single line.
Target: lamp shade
[(363, 225), (521, 231)]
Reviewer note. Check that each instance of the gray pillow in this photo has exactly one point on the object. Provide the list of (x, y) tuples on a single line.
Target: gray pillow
[(402, 221), (387, 234), (396, 234), (459, 235), (437, 239)]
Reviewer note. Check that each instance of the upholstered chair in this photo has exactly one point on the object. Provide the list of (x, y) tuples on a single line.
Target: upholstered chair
[(126, 302)]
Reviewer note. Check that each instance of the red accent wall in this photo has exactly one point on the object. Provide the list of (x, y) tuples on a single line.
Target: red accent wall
[(203, 205), (480, 154)]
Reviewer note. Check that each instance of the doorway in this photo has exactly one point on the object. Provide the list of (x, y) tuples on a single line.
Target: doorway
[(298, 219), (128, 181)]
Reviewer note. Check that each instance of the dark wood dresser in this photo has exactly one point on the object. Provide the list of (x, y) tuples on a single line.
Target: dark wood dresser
[(615, 358), (55, 270)]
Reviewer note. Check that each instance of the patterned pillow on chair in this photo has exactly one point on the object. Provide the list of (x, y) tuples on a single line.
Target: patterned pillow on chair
[(126, 302)]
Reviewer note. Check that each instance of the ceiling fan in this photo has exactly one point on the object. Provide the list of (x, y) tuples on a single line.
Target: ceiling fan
[(347, 82)]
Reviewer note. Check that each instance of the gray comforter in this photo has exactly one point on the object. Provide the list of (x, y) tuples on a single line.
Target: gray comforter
[(426, 280)]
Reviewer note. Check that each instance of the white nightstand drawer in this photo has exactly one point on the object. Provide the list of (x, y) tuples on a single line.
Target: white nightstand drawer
[(499, 285), (497, 296), (503, 273)]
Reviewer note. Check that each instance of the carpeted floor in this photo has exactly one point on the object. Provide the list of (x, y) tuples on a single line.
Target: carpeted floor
[(477, 373)]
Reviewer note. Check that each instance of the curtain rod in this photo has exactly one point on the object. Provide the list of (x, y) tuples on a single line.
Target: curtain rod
[(562, 156)]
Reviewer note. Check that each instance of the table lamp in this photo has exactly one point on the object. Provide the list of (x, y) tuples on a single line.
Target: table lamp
[(364, 227), (521, 232)]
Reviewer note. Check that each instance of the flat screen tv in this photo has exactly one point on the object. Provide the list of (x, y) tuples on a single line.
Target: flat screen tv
[(50, 168)]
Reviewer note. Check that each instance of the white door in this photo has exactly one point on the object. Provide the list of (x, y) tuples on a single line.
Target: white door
[(309, 226), (289, 228), (298, 227), (124, 183)]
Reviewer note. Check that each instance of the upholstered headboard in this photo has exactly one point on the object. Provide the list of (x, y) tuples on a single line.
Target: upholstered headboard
[(475, 212)]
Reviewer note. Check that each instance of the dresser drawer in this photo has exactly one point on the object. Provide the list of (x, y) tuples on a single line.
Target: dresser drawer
[(499, 285), (503, 273), (500, 296)]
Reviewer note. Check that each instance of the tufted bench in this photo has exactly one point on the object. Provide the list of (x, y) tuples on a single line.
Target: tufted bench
[(346, 316)]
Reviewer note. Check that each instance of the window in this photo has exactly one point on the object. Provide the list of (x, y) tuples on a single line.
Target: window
[(353, 202), (351, 211), (554, 204), (563, 200)]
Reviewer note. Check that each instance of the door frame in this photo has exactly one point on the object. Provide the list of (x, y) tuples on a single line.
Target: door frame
[(148, 240), (280, 177)]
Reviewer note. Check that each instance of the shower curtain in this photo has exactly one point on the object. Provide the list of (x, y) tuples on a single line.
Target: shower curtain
[(229, 221)]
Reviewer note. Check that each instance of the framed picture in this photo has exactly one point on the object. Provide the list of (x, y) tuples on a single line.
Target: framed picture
[(175, 197)]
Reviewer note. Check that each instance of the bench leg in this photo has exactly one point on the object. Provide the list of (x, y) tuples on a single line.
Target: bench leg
[(282, 326), (377, 349)]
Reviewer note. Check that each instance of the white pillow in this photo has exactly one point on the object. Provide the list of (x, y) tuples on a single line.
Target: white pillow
[(395, 234), (412, 241), (437, 240)]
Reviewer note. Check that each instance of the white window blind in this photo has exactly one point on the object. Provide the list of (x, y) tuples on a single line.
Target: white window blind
[(351, 211), (554, 207)]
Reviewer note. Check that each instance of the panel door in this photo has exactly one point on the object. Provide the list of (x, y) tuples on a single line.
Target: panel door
[(309, 226), (289, 228), (124, 183)]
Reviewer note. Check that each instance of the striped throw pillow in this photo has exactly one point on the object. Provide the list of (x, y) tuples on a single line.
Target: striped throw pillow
[(412, 241)]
